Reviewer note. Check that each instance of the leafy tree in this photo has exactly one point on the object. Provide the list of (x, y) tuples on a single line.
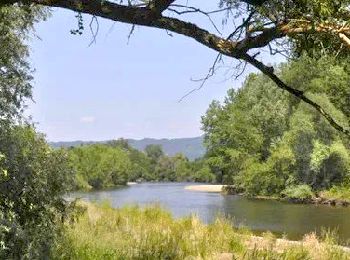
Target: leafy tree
[(15, 72), (154, 152), (106, 165), (121, 143), (100, 166), (263, 141), (165, 169), (176, 168), (248, 122), (33, 179), (202, 172), (142, 168)]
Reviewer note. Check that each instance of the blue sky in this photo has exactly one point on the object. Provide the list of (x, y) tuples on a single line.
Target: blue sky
[(118, 89)]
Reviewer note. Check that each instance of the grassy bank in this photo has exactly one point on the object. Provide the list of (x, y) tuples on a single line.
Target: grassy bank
[(337, 193), (152, 233), (336, 196)]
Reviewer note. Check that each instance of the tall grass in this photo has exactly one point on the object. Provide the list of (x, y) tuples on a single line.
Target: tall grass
[(337, 192), (151, 233)]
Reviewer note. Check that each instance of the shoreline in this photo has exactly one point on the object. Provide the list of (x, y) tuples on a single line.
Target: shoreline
[(315, 201), (215, 188), (218, 188), (267, 241)]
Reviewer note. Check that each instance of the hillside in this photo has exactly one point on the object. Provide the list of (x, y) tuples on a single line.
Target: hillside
[(191, 147)]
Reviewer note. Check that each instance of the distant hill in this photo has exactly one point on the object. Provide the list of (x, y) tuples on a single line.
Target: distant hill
[(191, 147)]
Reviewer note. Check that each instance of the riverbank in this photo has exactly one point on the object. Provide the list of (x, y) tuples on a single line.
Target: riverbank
[(325, 198), (102, 232), (315, 200)]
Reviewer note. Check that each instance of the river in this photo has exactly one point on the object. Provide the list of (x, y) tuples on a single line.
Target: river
[(291, 220)]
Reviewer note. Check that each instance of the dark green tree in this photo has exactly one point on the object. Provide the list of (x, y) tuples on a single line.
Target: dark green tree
[(262, 140), (33, 177), (154, 152)]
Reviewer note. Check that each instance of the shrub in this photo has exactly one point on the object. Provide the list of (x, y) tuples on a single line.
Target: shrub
[(259, 179), (33, 179), (337, 192), (298, 192)]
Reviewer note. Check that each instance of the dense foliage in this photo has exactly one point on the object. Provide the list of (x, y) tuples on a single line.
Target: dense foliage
[(100, 166), (33, 177), (313, 20), (265, 142), (116, 163), (15, 71)]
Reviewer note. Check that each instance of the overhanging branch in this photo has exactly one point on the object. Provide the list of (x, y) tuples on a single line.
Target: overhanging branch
[(268, 71), (151, 16), (158, 6)]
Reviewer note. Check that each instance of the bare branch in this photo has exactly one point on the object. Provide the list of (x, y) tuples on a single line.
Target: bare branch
[(94, 32), (131, 32), (211, 72), (196, 10)]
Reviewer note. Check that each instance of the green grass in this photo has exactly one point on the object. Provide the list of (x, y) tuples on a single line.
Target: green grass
[(337, 192), (152, 233)]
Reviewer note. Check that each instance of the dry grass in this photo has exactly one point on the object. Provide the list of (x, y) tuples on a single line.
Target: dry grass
[(151, 233)]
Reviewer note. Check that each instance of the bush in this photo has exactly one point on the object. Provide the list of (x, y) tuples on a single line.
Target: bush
[(33, 179), (259, 179), (298, 192), (337, 192)]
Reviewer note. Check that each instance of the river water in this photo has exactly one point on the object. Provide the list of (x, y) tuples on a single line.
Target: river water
[(291, 220)]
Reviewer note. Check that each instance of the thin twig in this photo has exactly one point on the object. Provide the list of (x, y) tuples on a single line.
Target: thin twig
[(211, 72)]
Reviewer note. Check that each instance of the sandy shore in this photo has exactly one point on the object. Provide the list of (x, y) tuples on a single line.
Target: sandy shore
[(205, 188)]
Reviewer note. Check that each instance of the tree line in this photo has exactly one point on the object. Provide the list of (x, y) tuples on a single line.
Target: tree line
[(263, 141), (99, 166), (260, 140)]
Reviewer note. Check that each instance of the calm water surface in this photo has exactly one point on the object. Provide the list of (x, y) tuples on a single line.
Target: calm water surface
[(293, 220)]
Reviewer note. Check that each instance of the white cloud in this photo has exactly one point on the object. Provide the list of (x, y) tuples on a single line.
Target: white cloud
[(87, 119)]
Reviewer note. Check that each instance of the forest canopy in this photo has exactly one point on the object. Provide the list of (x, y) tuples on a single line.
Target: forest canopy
[(100, 166), (264, 141)]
